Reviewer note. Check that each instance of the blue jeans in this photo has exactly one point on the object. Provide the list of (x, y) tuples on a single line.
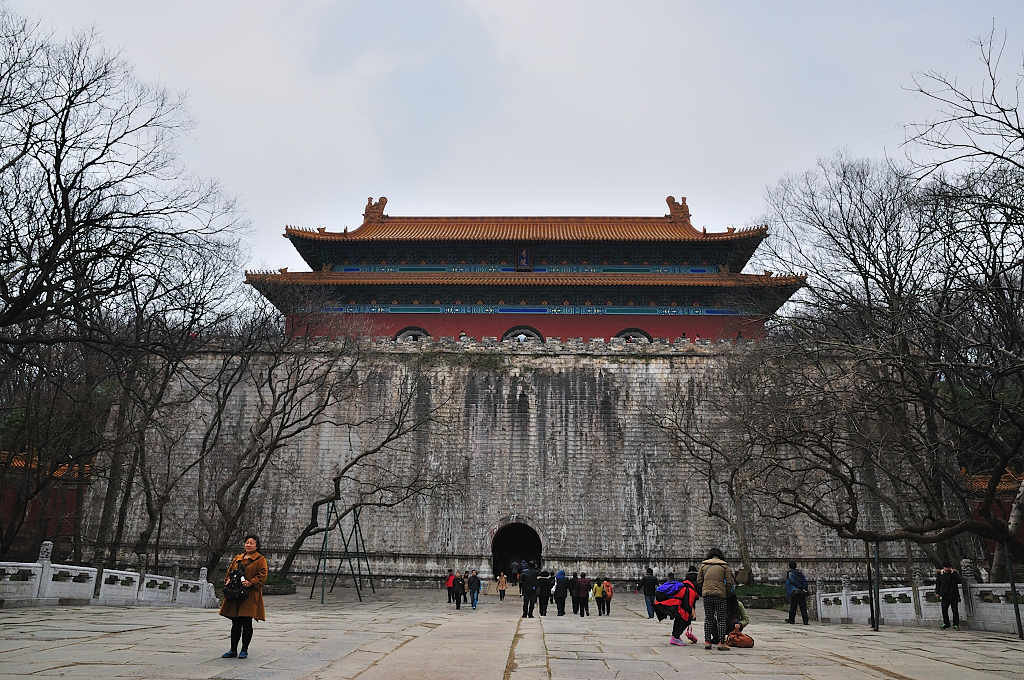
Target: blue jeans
[(650, 606), (474, 596)]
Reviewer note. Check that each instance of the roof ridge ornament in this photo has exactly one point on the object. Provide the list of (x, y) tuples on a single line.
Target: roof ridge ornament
[(678, 211), (374, 211)]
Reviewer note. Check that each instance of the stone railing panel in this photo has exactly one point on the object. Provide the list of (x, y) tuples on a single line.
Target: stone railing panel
[(992, 607), (19, 580), (119, 585), (68, 582), (157, 588), (26, 584)]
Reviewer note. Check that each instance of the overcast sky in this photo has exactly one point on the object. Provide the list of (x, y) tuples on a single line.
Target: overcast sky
[(304, 108)]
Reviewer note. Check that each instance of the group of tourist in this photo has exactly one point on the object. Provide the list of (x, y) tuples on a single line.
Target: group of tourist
[(725, 617), (463, 589), (539, 588)]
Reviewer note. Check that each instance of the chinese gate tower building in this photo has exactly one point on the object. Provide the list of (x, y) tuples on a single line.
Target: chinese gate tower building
[(637, 278)]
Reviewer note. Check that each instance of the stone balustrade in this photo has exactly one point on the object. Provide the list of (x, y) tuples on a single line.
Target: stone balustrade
[(43, 583), (984, 606)]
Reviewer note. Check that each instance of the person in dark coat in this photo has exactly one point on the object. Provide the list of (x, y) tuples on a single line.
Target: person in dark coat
[(583, 593), (528, 585), (474, 588), (458, 589), (947, 587), (691, 574), (796, 591), (543, 592), (561, 591), (649, 586), (242, 612)]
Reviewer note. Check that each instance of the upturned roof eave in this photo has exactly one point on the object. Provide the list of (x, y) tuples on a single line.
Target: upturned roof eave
[(454, 279)]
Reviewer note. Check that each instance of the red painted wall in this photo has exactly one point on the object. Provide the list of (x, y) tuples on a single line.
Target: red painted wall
[(548, 325)]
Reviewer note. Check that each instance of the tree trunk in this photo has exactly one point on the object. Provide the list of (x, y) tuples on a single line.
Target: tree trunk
[(117, 460), (741, 534), (122, 514)]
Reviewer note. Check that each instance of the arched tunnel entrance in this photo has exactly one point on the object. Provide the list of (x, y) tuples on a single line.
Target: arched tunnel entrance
[(514, 541)]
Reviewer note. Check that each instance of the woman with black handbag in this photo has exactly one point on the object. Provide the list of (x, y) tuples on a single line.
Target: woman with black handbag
[(243, 595)]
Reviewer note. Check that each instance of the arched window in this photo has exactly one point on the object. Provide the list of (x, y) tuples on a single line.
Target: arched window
[(634, 335), (411, 334), (522, 334)]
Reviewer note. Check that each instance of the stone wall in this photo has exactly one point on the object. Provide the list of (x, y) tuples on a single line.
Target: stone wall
[(550, 435)]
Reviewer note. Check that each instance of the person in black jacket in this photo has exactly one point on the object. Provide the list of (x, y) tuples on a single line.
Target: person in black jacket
[(528, 584), (458, 589), (649, 585), (474, 589), (561, 591), (947, 587), (543, 592)]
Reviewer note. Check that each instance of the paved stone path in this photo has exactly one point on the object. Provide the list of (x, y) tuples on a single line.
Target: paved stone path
[(414, 634)]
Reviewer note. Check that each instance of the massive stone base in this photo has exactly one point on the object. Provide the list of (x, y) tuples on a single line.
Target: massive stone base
[(553, 439)]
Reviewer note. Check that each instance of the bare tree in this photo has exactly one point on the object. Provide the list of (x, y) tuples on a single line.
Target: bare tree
[(396, 410), (50, 431), (713, 420), (911, 353), (101, 225)]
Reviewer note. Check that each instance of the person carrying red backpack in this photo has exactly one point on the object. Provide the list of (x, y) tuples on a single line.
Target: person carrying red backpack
[(675, 600)]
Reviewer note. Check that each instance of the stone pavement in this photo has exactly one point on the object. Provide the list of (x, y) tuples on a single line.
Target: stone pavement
[(415, 634)]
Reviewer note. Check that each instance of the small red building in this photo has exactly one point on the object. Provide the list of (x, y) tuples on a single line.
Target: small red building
[(530, 277)]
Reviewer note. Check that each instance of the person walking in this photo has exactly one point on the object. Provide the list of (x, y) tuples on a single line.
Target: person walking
[(458, 589), (474, 589), (649, 587), (609, 591), (543, 592), (598, 590), (947, 587), (528, 585), (243, 611), (574, 592), (583, 593), (714, 581), (465, 587), (796, 591), (448, 584), (502, 586), (561, 590)]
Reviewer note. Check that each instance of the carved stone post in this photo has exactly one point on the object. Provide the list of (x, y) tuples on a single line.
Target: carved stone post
[(916, 581), (966, 576), (819, 586), (46, 573), (205, 588), (845, 615)]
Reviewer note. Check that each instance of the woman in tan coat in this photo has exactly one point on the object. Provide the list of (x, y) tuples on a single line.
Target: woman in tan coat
[(242, 612), (502, 586)]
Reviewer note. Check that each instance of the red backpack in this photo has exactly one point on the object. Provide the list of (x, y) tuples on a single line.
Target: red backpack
[(683, 601)]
